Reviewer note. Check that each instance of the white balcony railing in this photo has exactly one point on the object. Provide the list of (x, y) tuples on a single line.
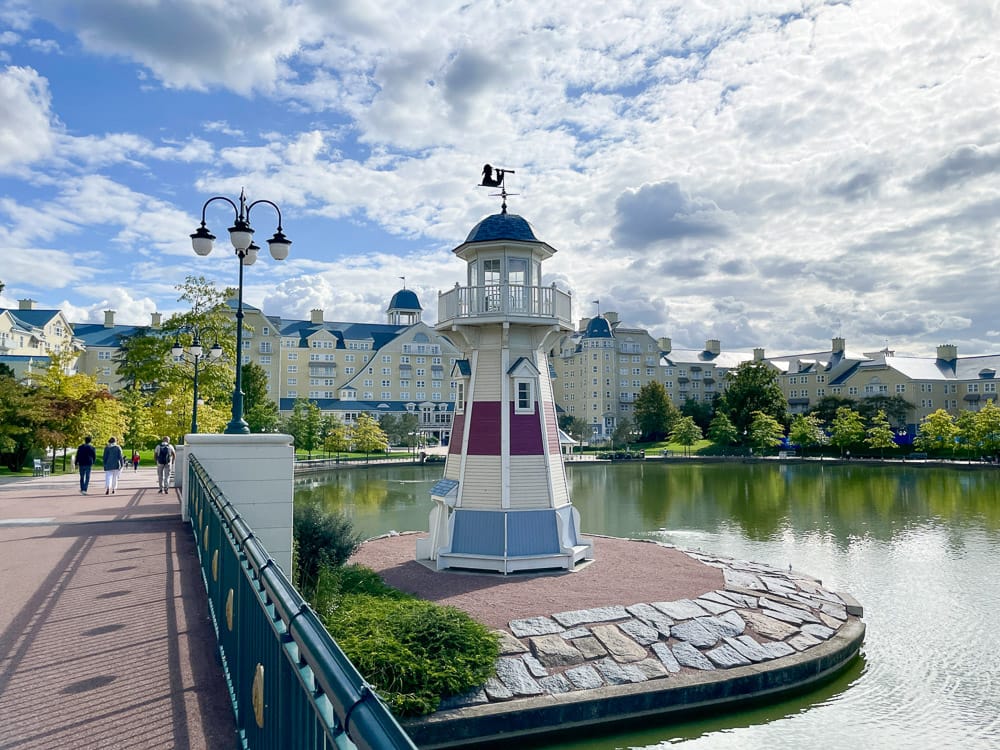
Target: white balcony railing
[(505, 300)]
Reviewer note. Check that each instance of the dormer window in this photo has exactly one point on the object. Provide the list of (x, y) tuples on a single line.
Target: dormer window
[(525, 395), (460, 397)]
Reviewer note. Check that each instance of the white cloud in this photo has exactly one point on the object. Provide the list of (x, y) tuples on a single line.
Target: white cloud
[(26, 123)]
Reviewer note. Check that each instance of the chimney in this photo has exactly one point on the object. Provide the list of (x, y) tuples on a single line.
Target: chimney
[(665, 344), (947, 352), (758, 354), (316, 316), (109, 318), (837, 345), (155, 320), (611, 317), (584, 322), (26, 304), (713, 346)]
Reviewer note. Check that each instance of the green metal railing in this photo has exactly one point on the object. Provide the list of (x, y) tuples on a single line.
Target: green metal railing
[(290, 684)]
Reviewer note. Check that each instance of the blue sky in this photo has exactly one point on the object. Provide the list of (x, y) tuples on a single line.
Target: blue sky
[(767, 173)]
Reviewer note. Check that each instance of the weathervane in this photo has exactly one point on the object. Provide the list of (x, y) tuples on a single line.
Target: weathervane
[(493, 177)]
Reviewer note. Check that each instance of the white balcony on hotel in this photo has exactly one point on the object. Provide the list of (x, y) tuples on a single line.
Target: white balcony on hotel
[(537, 305)]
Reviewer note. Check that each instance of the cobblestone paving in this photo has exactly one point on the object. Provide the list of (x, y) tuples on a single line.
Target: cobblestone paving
[(763, 613)]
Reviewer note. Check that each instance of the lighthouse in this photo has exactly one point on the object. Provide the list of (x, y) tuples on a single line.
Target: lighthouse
[(504, 503)]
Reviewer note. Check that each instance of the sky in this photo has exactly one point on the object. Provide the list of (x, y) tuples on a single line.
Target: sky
[(768, 173)]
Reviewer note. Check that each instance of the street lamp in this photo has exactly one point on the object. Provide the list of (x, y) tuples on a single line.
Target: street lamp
[(197, 355), (241, 235)]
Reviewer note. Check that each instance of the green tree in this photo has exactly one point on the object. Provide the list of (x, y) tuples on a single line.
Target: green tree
[(721, 431), (880, 434), (575, 427), (335, 437), (967, 432), (806, 431), (988, 428), (753, 387), (303, 424), (765, 432), (686, 432), (367, 436), (700, 411), (137, 431), (20, 415), (654, 412), (847, 429), (622, 434), (937, 432), (897, 409), (260, 411), (826, 408)]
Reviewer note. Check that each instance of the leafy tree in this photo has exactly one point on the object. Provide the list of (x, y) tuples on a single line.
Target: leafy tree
[(765, 431), (367, 436), (400, 429), (6, 371), (826, 408), (575, 427), (753, 387), (142, 359), (303, 424), (937, 432), (847, 429), (622, 434), (322, 539), (880, 434), (686, 432), (806, 431), (967, 432), (335, 437), (897, 409), (260, 411), (721, 431), (137, 431), (654, 412), (988, 428), (20, 415), (700, 411)]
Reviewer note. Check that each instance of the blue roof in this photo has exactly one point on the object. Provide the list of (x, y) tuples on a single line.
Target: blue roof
[(598, 328), (502, 227), (36, 318), (97, 334), (336, 404), (404, 299)]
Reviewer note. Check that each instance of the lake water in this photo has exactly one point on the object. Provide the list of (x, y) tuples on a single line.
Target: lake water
[(918, 547)]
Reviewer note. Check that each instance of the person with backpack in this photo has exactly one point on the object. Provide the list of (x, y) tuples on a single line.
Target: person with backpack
[(165, 455), (85, 458), (113, 461)]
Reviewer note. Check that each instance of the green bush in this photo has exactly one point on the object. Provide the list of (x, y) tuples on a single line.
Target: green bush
[(412, 651), (322, 540)]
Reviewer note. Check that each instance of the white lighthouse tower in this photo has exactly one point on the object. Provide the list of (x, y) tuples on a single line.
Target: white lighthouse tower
[(504, 503)]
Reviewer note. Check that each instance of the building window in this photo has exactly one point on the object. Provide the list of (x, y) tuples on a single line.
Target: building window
[(265, 359), (459, 396), (293, 368), (292, 356), (973, 388), (852, 390), (900, 387), (293, 381)]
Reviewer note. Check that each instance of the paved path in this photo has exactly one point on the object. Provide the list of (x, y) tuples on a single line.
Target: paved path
[(105, 640)]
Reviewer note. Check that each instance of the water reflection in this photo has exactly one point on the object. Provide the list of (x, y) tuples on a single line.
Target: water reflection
[(918, 548)]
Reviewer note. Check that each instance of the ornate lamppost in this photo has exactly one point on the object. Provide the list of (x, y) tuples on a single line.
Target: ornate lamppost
[(197, 354), (241, 235)]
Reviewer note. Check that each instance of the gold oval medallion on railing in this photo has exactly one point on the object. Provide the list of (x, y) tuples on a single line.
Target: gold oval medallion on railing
[(204, 538), (215, 566), (201, 517), (229, 611), (258, 695)]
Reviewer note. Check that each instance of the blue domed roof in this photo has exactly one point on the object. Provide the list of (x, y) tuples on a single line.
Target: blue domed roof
[(502, 227), (404, 299), (598, 328)]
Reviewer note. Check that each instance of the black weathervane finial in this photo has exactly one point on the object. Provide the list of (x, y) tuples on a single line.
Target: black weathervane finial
[(493, 177)]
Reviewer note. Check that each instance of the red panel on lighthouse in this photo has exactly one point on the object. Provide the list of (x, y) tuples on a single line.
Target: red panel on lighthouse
[(525, 434), (457, 431), (484, 429)]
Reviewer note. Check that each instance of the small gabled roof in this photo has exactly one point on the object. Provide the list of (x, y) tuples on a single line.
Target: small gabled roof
[(461, 368), (523, 367)]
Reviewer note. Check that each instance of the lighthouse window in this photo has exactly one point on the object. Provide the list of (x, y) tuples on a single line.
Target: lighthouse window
[(460, 396), (525, 396)]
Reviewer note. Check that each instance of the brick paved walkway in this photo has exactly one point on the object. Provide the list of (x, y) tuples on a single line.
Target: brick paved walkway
[(105, 640)]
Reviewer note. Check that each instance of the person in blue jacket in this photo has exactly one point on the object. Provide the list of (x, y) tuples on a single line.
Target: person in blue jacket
[(84, 460), (114, 460)]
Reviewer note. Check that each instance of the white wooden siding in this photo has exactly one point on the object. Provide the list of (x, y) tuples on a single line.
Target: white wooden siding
[(529, 484), (481, 487)]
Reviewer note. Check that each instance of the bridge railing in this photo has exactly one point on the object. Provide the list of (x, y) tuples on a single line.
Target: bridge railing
[(290, 684)]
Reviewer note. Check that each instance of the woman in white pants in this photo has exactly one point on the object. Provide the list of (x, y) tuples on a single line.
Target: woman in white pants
[(114, 460)]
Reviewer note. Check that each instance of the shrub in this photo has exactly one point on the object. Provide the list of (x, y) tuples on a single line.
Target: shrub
[(412, 651), (322, 540)]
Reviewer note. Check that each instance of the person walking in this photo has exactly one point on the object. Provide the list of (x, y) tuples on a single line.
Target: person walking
[(113, 461), (84, 460), (165, 455), (135, 460)]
